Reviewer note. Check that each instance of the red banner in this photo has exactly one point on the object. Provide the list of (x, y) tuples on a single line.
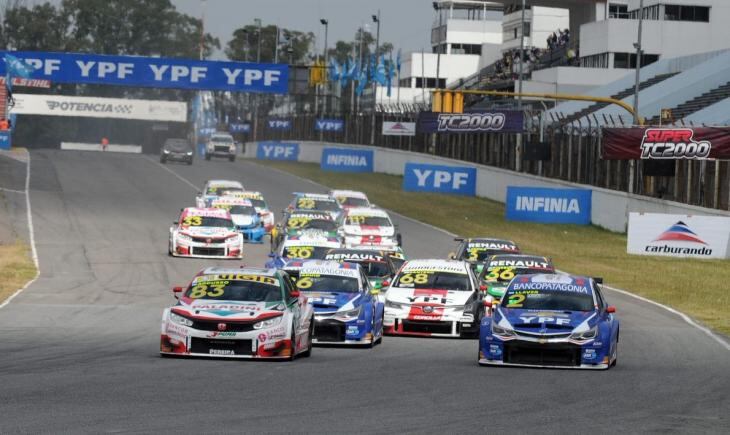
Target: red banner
[(666, 143)]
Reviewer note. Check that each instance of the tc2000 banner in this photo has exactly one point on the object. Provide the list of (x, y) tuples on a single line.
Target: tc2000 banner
[(666, 143), (156, 72), (501, 121)]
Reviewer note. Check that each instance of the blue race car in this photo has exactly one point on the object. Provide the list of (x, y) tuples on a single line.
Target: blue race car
[(346, 308), (546, 320), (245, 217)]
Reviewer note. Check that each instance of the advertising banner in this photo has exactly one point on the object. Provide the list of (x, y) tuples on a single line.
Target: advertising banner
[(499, 121), (5, 142), (278, 124), (674, 235), (329, 125), (399, 128), (457, 180), (60, 105), (243, 127), (277, 151), (155, 72), (347, 160), (549, 206), (666, 143)]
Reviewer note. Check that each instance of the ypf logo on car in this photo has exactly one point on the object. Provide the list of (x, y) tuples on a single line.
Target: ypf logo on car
[(673, 143)]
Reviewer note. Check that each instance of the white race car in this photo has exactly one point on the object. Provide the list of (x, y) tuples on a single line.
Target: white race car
[(366, 226), (262, 208), (215, 188), (350, 198), (434, 298), (307, 245), (205, 233), (238, 313)]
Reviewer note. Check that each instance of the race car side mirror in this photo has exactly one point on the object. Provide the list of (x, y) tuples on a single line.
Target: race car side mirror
[(385, 284), (487, 303), (176, 291), (483, 287), (295, 294), (610, 309), (174, 222)]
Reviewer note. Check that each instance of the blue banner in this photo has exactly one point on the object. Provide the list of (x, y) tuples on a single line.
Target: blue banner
[(239, 128), (546, 205), (5, 141), (329, 125), (278, 124), (458, 180), (155, 72), (347, 160), (277, 151)]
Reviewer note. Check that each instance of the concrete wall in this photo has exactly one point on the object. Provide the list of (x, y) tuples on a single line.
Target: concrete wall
[(610, 208)]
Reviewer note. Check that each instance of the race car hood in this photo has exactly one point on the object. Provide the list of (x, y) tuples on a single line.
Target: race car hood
[(227, 310), (428, 296), (215, 232), (545, 321), (497, 289), (333, 301), (242, 219), (369, 230)]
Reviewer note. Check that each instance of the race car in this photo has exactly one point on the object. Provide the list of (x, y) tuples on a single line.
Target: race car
[(244, 216), (378, 265), (350, 198), (433, 298), (238, 313), (259, 203), (478, 249), (316, 202), (213, 189), (309, 245), (365, 226), (549, 320), (220, 144), (499, 270), (346, 309), (296, 221), (205, 233)]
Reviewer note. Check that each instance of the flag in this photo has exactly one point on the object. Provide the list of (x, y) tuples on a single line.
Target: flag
[(345, 74), (397, 62), (362, 82), (380, 73), (334, 70)]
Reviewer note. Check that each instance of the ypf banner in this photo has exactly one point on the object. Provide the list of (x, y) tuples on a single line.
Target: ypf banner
[(666, 143), (422, 177), (329, 125), (500, 121), (155, 72)]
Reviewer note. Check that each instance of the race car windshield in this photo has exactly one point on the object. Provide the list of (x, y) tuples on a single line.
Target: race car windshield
[(374, 221), (206, 221), (258, 203), (327, 283), (237, 290), (320, 224), (375, 269), (317, 204), (478, 254), (541, 299), (177, 146), (305, 252), (222, 191), (354, 202), (433, 280), (245, 210)]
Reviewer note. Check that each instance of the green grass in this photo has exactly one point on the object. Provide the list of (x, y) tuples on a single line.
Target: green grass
[(700, 288), (16, 268)]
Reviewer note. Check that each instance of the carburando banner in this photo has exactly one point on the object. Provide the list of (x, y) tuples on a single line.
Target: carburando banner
[(639, 143), (59, 105), (500, 121), (674, 235)]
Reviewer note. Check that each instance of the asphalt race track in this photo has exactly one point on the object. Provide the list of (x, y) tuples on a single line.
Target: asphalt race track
[(79, 348)]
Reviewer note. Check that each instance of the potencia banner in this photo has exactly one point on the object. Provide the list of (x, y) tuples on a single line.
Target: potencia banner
[(656, 143)]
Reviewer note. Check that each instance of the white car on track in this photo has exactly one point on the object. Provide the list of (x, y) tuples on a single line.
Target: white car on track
[(238, 313), (366, 226), (215, 188), (205, 233), (260, 204), (434, 298), (350, 198)]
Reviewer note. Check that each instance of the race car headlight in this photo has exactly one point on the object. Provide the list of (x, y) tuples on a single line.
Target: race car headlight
[(394, 305), (268, 323), (184, 237), (349, 314), (503, 332), (180, 320), (190, 153), (232, 238), (585, 335), (166, 151)]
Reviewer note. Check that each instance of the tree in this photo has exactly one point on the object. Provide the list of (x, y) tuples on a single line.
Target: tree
[(244, 45), (42, 27), (362, 38)]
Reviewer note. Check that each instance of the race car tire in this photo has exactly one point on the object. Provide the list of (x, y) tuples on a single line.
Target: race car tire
[(232, 158), (162, 160), (399, 239), (307, 353), (190, 162), (207, 156), (293, 344)]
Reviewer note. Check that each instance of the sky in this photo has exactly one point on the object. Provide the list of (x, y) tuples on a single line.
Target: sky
[(404, 23)]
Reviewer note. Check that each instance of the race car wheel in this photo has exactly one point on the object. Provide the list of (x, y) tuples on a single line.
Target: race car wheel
[(232, 158), (307, 353), (162, 160), (207, 156), (190, 162), (293, 344)]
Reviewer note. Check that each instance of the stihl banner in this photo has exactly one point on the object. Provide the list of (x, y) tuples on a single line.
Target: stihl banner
[(655, 143)]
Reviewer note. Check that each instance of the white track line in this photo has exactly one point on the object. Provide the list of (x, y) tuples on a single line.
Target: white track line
[(683, 316), (197, 189), (12, 190), (31, 232)]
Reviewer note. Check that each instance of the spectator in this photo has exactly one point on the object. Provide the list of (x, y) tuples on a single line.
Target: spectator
[(4, 124), (104, 143)]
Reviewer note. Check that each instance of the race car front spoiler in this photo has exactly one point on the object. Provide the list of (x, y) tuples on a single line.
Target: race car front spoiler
[(492, 362)]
